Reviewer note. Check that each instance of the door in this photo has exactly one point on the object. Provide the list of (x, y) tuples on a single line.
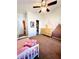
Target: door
[(37, 27), (24, 27)]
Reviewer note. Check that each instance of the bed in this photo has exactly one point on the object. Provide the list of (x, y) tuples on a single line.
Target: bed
[(28, 50)]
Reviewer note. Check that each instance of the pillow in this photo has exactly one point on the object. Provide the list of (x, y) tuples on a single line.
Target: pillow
[(57, 32)]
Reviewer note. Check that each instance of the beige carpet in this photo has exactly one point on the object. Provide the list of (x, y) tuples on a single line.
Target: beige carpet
[(49, 48)]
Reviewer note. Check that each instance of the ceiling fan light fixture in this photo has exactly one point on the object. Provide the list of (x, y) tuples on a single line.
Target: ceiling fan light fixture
[(43, 9), (44, 6), (43, 2)]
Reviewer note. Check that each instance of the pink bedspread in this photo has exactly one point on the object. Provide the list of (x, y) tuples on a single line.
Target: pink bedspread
[(27, 44), (21, 50), (30, 43)]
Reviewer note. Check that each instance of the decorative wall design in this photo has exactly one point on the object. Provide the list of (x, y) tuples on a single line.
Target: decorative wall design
[(32, 24)]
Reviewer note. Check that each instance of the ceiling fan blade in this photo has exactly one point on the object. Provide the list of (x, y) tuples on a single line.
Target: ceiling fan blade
[(36, 6), (52, 3), (42, 0), (47, 10), (40, 11)]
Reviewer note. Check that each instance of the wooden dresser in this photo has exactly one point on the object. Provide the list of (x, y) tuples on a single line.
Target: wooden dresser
[(46, 31)]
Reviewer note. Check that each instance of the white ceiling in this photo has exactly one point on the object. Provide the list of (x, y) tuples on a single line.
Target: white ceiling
[(27, 5)]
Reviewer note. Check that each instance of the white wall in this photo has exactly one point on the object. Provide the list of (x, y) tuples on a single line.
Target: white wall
[(20, 18), (32, 17), (19, 24), (29, 17), (52, 19)]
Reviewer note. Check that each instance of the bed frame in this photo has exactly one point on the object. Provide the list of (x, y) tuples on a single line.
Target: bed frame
[(29, 53)]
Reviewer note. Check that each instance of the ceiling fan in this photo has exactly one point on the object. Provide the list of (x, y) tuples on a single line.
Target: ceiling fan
[(44, 5)]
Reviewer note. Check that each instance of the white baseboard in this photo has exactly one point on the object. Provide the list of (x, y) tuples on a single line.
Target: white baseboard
[(22, 37)]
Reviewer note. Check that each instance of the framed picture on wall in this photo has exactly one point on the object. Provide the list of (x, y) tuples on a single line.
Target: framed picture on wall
[(32, 24)]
